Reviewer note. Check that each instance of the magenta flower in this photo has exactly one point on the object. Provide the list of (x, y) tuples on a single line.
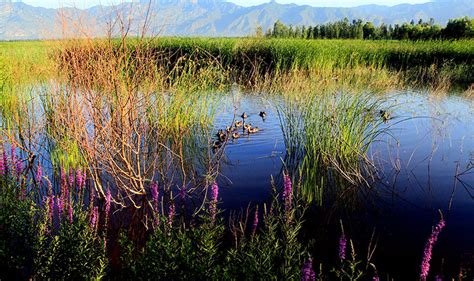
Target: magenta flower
[(51, 204), (182, 193), (60, 206), (19, 167), (108, 197), (171, 214), (71, 177), (287, 192), (94, 218), (39, 173), (425, 264), (154, 194), (307, 272), (70, 214), (79, 179), (214, 197), (3, 163), (255, 221), (342, 247), (63, 178), (91, 196), (13, 155), (375, 278)]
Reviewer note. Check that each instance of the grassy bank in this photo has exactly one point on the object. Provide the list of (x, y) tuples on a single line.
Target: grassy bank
[(420, 61), (253, 62)]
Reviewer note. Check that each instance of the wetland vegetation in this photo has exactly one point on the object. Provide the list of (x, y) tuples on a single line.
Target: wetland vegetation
[(109, 168)]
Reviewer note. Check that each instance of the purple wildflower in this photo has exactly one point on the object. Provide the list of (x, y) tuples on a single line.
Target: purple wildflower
[(79, 179), (214, 196), (60, 206), (91, 196), (154, 195), (182, 193), (39, 173), (71, 177), (171, 214), (307, 272), (94, 218), (19, 167), (342, 247), (50, 186), (51, 204), (375, 278), (287, 192), (13, 155), (63, 178), (3, 163), (70, 215), (107, 204), (255, 222), (438, 278), (425, 264)]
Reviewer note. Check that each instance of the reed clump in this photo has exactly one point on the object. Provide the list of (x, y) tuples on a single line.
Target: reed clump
[(130, 121), (327, 138)]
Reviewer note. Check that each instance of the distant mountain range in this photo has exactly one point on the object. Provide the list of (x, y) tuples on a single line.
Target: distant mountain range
[(19, 21)]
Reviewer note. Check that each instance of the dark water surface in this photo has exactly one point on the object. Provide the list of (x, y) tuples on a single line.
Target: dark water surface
[(424, 162)]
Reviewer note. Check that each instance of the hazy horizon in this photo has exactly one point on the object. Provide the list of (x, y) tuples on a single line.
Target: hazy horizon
[(247, 3)]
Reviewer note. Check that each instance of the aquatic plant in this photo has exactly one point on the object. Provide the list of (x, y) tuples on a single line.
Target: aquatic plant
[(425, 264), (213, 203), (307, 272), (327, 137), (342, 247)]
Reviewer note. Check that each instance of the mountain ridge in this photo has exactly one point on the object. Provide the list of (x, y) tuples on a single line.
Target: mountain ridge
[(20, 21)]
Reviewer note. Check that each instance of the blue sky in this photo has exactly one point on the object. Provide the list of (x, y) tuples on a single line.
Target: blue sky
[(322, 3)]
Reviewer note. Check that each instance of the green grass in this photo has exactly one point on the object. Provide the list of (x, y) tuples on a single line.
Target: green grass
[(327, 137), (282, 55)]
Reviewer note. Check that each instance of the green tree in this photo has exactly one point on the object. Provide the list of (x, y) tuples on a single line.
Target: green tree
[(369, 30)]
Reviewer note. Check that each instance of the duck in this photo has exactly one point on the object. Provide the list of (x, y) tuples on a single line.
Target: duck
[(229, 129), (235, 135), (244, 115), (219, 133), (247, 126), (238, 123), (253, 130), (385, 115), (263, 114), (217, 144), (222, 137)]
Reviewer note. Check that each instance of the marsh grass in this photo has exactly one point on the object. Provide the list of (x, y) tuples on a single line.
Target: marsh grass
[(327, 138)]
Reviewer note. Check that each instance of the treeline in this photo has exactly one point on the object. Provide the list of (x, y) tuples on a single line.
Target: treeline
[(357, 29)]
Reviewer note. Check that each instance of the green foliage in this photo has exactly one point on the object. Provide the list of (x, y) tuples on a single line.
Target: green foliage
[(17, 235), (455, 29), (327, 138), (75, 252), (274, 253), (250, 60), (201, 252), (178, 254)]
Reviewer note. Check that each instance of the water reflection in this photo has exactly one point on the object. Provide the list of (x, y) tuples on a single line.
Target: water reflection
[(424, 163)]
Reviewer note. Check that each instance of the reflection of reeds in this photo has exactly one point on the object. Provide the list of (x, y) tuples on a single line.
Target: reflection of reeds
[(127, 126), (327, 138)]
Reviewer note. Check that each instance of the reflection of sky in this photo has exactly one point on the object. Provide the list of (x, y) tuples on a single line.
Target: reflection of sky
[(436, 142), (431, 139)]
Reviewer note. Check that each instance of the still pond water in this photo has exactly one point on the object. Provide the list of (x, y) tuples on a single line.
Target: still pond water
[(425, 164)]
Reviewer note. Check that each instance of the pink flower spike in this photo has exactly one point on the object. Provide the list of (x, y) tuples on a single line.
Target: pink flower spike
[(425, 264)]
